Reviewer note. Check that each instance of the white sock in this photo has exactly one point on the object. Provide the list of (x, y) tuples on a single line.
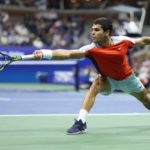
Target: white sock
[(82, 115)]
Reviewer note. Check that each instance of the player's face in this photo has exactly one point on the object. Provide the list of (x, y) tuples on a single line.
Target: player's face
[(98, 34)]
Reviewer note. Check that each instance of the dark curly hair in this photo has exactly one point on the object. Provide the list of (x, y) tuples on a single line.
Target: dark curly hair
[(105, 23)]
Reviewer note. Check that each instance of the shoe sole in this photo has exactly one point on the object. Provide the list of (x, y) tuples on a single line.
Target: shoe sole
[(76, 133)]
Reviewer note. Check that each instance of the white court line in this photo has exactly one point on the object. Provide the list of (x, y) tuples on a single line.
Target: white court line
[(5, 99), (51, 115)]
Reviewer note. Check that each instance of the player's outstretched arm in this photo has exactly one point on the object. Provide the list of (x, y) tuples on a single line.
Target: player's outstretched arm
[(59, 54), (143, 41)]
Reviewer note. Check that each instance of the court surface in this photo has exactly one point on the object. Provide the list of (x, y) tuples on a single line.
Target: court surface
[(38, 120)]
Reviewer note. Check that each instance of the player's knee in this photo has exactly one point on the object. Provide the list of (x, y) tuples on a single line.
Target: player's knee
[(146, 102), (144, 98), (97, 79), (147, 105), (98, 84), (95, 87)]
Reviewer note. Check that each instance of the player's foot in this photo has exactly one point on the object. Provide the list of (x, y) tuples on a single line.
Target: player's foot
[(77, 128)]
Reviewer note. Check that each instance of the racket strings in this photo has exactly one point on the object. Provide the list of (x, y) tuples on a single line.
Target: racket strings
[(4, 61)]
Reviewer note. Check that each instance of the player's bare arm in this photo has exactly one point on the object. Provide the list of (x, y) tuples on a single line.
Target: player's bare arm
[(59, 54), (143, 41)]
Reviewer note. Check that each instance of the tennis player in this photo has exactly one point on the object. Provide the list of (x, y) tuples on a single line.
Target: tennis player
[(108, 53)]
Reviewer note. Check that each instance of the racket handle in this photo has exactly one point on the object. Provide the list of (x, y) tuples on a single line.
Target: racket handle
[(27, 57)]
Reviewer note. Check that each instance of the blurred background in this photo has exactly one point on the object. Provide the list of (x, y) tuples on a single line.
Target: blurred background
[(27, 25)]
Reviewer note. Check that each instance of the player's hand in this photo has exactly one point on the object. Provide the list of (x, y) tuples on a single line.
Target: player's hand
[(38, 55)]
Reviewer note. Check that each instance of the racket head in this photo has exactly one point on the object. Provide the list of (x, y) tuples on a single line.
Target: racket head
[(5, 60)]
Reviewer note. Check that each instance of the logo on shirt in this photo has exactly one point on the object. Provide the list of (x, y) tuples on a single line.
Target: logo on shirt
[(119, 48)]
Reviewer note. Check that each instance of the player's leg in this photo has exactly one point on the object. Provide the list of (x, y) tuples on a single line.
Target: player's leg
[(134, 87), (100, 84), (143, 97)]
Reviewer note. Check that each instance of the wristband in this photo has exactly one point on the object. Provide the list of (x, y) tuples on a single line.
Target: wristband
[(47, 53), (27, 57)]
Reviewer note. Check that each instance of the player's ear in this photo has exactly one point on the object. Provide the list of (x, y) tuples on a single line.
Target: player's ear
[(107, 32)]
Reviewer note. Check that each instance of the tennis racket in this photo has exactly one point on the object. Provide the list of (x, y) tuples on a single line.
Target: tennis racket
[(5, 59)]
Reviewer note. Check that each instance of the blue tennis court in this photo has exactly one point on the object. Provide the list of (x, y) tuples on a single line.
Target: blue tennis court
[(38, 119), (64, 102)]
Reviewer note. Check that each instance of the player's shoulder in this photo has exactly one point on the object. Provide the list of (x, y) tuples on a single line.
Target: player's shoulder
[(88, 46), (117, 39)]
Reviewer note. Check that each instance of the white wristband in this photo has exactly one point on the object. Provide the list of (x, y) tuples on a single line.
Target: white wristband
[(27, 57), (47, 53)]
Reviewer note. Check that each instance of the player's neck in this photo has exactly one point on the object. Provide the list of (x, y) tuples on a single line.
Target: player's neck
[(106, 42)]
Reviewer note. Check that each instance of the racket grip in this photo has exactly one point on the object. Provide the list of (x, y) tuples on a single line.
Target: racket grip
[(27, 57)]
